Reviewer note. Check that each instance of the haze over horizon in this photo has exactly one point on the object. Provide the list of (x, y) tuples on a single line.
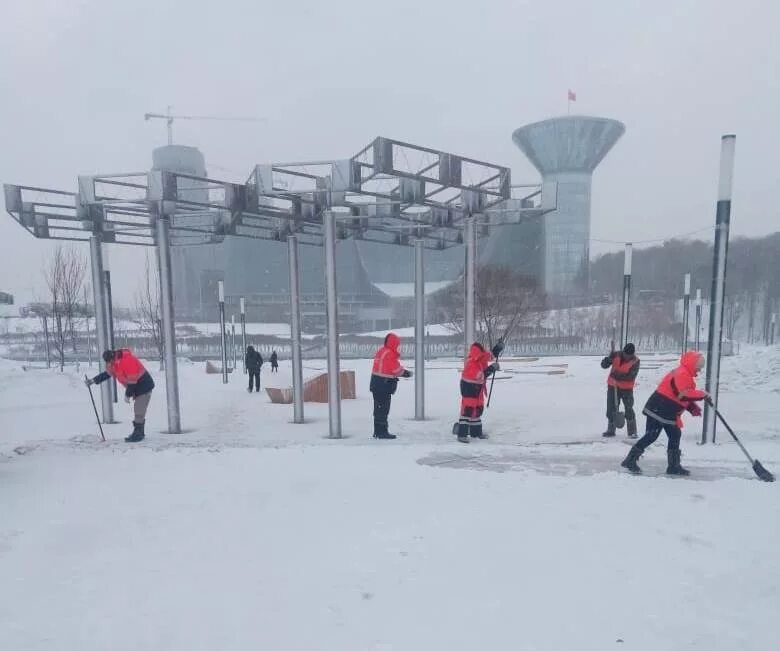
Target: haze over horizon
[(329, 77)]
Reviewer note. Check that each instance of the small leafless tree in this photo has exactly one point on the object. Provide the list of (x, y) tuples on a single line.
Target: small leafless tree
[(504, 302), (148, 313), (734, 308), (64, 275)]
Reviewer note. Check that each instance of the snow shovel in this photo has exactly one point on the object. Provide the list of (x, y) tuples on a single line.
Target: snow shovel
[(762, 473), (619, 417), (94, 406)]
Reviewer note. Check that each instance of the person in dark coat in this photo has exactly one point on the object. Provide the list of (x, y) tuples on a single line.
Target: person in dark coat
[(624, 367), (274, 362), (254, 362), (676, 393), (384, 381), (128, 370)]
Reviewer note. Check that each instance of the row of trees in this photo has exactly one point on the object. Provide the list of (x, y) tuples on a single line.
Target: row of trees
[(68, 309), (752, 283)]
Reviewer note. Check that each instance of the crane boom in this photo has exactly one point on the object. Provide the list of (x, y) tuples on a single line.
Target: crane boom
[(169, 118)]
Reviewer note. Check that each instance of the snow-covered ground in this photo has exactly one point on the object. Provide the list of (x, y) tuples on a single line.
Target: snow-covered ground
[(250, 532)]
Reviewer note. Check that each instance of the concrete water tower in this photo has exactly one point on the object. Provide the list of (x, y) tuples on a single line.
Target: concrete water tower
[(567, 150)]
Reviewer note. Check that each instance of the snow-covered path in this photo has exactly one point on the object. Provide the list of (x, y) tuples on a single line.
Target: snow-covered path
[(251, 532)]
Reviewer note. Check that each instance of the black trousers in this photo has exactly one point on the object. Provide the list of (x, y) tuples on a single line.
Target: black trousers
[(254, 376), (274, 368), (653, 431), (626, 396), (381, 411), (470, 422)]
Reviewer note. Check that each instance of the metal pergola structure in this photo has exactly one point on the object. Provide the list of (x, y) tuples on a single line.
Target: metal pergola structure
[(390, 192)]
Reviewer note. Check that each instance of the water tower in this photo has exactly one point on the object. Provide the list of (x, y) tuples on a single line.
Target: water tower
[(567, 150)]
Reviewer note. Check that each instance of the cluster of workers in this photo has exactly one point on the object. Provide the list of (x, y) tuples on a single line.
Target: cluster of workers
[(674, 395)]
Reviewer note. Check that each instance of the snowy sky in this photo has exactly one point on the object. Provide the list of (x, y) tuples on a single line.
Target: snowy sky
[(76, 78)]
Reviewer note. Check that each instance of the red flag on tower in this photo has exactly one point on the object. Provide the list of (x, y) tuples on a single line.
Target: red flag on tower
[(572, 96)]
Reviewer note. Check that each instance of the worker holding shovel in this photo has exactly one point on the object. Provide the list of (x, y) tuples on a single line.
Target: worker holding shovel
[(624, 367)]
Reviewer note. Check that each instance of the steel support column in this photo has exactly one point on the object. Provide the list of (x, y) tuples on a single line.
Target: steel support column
[(101, 321), (419, 330), (295, 328), (331, 295), (165, 272)]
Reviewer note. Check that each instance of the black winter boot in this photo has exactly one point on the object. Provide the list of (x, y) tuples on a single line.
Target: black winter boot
[(674, 467), (385, 435), (629, 463), (137, 435), (610, 430), (631, 429), (477, 433)]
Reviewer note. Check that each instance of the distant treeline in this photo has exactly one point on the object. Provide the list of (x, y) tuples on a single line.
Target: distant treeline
[(752, 283)]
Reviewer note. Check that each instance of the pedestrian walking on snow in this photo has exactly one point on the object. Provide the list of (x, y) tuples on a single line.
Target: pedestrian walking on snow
[(675, 394), (253, 361), (473, 390), (274, 362), (384, 382), (127, 369), (624, 367)]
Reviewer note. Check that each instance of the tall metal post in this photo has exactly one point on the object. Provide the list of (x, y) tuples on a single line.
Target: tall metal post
[(470, 277), (165, 272), (89, 341), (243, 331), (419, 330), (772, 330), (101, 321), (715, 334), (46, 339), (233, 338), (295, 329), (222, 341), (111, 339), (626, 295), (686, 311), (331, 303), (697, 337)]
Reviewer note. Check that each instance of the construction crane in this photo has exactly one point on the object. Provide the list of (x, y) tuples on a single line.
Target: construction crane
[(169, 118)]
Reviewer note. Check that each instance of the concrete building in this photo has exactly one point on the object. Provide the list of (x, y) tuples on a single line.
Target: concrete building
[(567, 150)]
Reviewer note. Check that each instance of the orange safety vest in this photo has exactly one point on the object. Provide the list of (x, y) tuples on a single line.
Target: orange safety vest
[(125, 367), (619, 366), (387, 361)]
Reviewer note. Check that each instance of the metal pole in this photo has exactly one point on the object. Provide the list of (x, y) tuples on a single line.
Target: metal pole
[(469, 313), (698, 321), (334, 393), (243, 331), (110, 314), (772, 330), (715, 335), (101, 321), (165, 270), (626, 295), (419, 330), (295, 329), (686, 311), (46, 338), (222, 338), (233, 338)]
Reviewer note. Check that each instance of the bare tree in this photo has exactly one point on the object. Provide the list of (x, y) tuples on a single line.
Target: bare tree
[(148, 313), (504, 301), (64, 275), (734, 307)]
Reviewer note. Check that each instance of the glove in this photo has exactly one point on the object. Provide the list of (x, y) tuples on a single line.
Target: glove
[(694, 409), (406, 373), (496, 366), (498, 348), (128, 399), (89, 381)]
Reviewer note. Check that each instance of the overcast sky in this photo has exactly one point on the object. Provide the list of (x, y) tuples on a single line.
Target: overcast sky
[(76, 78)]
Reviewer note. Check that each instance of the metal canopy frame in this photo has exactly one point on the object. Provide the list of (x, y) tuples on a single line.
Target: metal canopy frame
[(390, 192)]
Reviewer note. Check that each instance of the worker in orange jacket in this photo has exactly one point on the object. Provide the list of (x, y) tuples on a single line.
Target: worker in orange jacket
[(624, 367), (675, 394), (384, 382), (127, 369), (476, 371)]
